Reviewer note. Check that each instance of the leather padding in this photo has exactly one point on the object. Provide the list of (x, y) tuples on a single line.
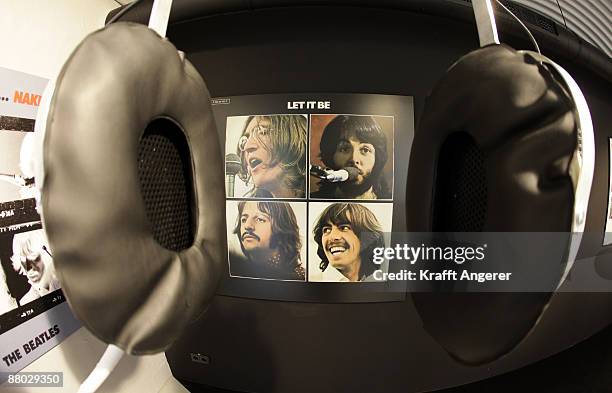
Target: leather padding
[(522, 121), (126, 288)]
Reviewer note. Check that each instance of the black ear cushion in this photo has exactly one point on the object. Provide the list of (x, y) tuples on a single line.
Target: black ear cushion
[(492, 154), (119, 281)]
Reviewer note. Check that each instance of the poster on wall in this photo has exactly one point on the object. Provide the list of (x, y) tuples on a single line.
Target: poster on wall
[(310, 191), (608, 232), (34, 316)]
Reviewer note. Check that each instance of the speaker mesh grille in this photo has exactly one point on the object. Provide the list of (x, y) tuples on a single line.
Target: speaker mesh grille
[(461, 191), (164, 172)]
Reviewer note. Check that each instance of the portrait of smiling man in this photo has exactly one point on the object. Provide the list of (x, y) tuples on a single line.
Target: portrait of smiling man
[(270, 242), (346, 235), (352, 141)]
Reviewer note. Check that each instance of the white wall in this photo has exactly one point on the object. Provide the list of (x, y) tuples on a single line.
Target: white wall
[(36, 36)]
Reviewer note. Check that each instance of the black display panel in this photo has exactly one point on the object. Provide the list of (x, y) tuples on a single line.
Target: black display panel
[(312, 187)]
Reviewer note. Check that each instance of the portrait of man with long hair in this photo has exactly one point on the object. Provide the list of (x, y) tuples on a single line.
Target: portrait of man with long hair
[(272, 155)]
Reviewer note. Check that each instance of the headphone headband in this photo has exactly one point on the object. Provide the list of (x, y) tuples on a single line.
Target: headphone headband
[(582, 165)]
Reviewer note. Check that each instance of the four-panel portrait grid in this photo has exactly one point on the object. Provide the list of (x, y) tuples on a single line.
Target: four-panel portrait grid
[(309, 196)]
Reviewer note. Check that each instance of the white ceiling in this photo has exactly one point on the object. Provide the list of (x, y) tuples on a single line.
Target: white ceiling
[(591, 20)]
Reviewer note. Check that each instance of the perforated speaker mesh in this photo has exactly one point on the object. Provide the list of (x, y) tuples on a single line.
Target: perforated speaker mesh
[(164, 171), (461, 191)]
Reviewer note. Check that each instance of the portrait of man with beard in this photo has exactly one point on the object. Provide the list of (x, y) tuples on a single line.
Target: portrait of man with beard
[(346, 235), (358, 142), (270, 242)]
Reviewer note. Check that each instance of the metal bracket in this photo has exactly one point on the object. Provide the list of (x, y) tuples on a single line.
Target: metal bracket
[(485, 22)]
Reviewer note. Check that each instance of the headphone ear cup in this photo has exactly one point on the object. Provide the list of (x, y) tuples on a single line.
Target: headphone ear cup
[(492, 153), (133, 192)]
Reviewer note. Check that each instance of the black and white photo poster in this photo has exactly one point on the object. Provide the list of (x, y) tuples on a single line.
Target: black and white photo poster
[(34, 316), (608, 233)]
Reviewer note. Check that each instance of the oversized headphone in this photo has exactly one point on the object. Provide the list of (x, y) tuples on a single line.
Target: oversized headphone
[(505, 144), (131, 177)]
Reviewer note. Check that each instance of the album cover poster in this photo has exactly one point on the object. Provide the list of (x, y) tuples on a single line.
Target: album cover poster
[(34, 316), (311, 190)]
